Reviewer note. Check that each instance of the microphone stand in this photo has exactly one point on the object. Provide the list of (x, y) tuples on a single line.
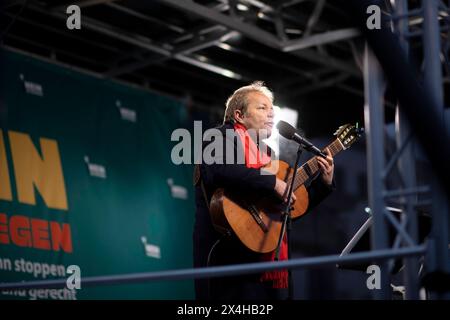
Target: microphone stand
[(287, 221), (314, 150)]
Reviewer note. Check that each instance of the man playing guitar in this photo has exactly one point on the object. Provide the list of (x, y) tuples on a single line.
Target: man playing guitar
[(249, 107)]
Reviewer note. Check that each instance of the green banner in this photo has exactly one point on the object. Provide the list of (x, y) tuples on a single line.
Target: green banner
[(86, 179)]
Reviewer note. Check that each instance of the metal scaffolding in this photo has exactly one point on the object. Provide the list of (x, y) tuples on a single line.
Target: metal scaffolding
[(378, 170)]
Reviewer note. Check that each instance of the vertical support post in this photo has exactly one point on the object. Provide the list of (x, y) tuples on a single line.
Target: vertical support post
[(406, 166), (438, 252), (374, 87)]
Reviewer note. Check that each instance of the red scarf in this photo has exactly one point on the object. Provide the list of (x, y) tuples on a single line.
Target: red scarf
[(255, 158)]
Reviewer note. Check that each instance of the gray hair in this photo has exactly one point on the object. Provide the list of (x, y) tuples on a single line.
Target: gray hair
[(238, 100)]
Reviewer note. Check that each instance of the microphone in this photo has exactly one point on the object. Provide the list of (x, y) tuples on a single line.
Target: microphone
[(289, 132)]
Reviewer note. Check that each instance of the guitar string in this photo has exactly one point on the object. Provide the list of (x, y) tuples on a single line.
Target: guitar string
[(335, 147)]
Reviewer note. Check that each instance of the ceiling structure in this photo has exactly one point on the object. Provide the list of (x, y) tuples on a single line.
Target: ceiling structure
[(201, 51)]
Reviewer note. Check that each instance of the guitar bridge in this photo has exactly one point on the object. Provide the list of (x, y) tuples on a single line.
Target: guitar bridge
[(255, 214)]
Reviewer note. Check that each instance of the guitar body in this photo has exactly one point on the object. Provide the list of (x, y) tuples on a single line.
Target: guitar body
[(256, 222)]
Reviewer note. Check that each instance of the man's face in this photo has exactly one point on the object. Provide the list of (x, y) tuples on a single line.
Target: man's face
[(259, 114)]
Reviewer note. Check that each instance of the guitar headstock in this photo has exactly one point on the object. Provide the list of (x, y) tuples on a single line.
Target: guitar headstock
[(348, 134)]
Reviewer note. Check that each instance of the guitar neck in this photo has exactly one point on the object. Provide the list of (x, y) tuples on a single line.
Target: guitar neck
[(311, 167)]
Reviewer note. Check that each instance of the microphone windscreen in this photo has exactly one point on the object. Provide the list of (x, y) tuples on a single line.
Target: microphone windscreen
[(286, 130)]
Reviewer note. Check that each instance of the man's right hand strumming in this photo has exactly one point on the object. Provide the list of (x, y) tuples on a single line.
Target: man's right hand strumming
[(281, 189)]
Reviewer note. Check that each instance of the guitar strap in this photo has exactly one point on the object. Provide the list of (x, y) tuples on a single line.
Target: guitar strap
[(198, 179)]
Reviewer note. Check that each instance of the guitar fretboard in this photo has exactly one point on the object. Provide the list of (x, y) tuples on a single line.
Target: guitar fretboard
[(310, 168)]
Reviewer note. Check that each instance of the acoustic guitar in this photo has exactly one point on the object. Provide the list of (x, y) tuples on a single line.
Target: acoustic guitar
[(257, 221)]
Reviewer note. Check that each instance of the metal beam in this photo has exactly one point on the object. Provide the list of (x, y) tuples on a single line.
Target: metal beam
[(106, 29), (374, 88), (268, 9), (88, 3), (145, 17), (250, 31), (439, 255), (294, 16), (165, 23), (207, 42), (307, 74), (142, 54), (195, 32), (9, 3), (219, 271), (314, 18), (320, 39), (286, 4), (279, 25), (213, 68), (81, 4), (175, 53), (406, 163)]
